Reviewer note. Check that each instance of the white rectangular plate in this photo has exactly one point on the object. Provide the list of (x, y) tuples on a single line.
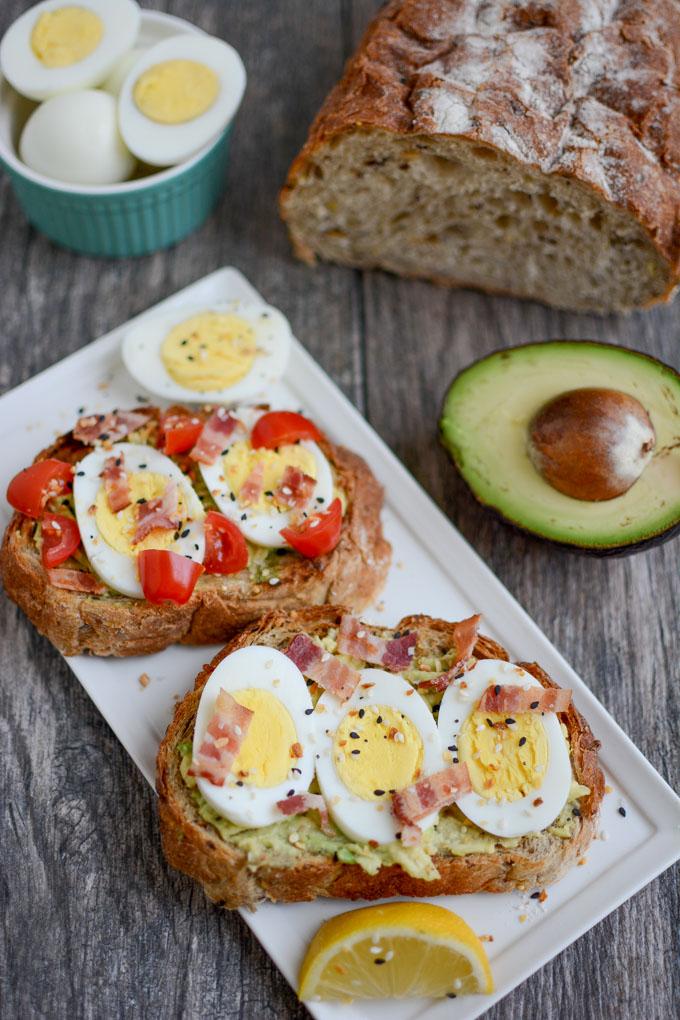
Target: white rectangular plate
[(434, 571)]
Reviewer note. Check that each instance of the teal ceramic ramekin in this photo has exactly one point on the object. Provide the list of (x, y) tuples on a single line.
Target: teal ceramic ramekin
[(132, 218)]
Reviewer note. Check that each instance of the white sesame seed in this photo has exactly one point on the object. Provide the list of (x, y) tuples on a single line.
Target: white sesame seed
[(376, 949), (274, 581)]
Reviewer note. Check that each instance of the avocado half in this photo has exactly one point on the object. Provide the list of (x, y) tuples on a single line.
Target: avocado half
[(485, 425)]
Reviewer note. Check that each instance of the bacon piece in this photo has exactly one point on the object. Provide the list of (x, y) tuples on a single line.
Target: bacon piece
[(465, 637), (161, 512), (75, 580), (219, 427), (251, 490), (394, 654), (301, 802), (516, 699), (116, 483), (296, 488), (323, 668), (223, 738), (109, 428), (413, 803)]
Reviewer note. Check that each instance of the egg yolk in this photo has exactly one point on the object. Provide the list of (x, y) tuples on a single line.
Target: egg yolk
[(378, 752), (176, 91), (241, 459), (506, 760), (118, 529), (266, 754), (65, 36), (209, 351)]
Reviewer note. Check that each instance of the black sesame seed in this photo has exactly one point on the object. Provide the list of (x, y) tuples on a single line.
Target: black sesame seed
[(268, 492), (452, 747), (379, 719), (320, 499), (244, 517), (522, 741), (362, 713), (535, 895), (142, 466), (81, 410), (455, 761), (290, 793), (378, 961), (379, 793), (196, 546), (497, 689), (534, 704), (308, 711), (239, 782), (232, 497), (141, 500), (354, 735), (183, 343), (104, 435), (490, 723), (190, 357), (309, 682), (622, 812), (576, 812), (397, 835), (355, 751), (450, 995), (184, 533), (176, 535), (299, 771), (510, 722), (80, 473)]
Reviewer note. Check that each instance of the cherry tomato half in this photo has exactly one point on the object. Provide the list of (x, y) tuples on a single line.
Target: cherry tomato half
[(278, 427), (60, 539), (180, 432), (226, 551), (166, 576), (317, 535), (31, 488)]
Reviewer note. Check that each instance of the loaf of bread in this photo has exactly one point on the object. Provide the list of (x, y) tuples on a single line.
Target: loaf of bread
[(525, 147)]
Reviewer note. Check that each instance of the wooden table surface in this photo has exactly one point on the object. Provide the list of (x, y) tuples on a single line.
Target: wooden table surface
[(94, 923)]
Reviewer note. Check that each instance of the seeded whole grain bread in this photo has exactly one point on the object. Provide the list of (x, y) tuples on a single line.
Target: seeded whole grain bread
[(191, 845), (526, 147), (113, 624)]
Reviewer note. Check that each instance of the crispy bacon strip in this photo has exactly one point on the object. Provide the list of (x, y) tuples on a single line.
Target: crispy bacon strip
[(218, 429), (76, 580), (161, 512), (296, 488), (412, 804), (323, 668), (465, 636), (394, 654), (109, 428), (116, 483), (251, 490), (298, 803), (222, 741), (514, 698)]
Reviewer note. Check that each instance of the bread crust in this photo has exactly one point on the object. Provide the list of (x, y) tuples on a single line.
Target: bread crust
[(192, 846), (600, 107), (78, 623)]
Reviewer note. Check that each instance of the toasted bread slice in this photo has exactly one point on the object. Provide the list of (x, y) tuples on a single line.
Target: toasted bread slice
[(235, 876), (114, 624)]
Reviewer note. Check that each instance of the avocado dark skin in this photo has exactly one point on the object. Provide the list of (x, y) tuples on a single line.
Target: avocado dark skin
[(485, 428)]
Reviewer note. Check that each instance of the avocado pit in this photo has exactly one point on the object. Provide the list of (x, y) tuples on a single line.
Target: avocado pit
[(591, 444)]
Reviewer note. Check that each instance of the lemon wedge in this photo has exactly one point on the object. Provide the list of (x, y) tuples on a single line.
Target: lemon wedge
[(396, 951)]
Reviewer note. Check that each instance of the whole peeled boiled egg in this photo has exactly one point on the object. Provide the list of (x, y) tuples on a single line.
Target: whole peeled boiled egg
[(276, 758), (178, 96), (380, 740), (227, 353), (58, 46), (109, 537), (261, 521), (74, 138), (519, 764)]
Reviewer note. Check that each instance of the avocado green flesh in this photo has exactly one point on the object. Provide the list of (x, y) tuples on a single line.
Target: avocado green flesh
[(485, 423)]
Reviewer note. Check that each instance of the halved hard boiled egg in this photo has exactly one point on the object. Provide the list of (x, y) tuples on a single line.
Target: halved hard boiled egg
[(227, 353), (276, 758), (178, 96), (518, 763), (261, 520), (58, 46), (380, 740), (108, 536)]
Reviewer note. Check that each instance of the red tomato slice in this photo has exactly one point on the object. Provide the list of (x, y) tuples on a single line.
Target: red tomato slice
[(278, 427), (180, 432), (226, 551), (60, 539), (317, 535), (31, 488), (166, 576)]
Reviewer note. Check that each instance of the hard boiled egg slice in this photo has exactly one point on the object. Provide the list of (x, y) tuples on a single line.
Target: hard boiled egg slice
[(519, 765), (276, 758), (262, 522), (226, 353), (382, 739), (178, 96), (58, 46), (108, 537)]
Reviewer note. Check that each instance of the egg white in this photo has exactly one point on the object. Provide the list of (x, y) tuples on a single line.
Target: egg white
[(167, 144), (360, 819), (265, 528), (113, 567), (258, 666), (519, 817), (141, 352), (31, 78)]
